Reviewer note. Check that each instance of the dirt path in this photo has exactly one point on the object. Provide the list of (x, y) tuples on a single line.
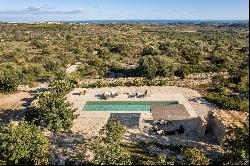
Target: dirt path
[(12, 105)]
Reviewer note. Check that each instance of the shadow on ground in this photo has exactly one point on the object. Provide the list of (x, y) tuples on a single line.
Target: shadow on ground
[(212, 149), (131, 120), (201, 100)]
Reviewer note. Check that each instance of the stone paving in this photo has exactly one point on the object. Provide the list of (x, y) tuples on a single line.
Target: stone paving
[(91, 122)]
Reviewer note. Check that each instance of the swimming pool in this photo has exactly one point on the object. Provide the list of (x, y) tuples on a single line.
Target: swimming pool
[(123, 105)]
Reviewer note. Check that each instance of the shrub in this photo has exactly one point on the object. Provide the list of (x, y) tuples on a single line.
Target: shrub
[(32, 72), (99, 84), (52, 111), (8, 83), (104, 53), (39, 44), (148, 67), (194, 157), (51, 65), (152, 66), (182, 72), (236, 147), (164, 46), (149, 50), (195, 58), (10, 77), (231, 102), (107, 149), (110, 154), (113, 132), (23, 144), (62, 87)]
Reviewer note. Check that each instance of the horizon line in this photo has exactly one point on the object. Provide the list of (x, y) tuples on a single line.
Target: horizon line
[(131, 20)]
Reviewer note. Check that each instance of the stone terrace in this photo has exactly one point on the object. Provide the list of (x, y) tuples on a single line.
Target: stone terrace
[(90, 123)]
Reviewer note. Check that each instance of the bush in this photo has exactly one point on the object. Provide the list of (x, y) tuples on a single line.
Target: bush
[(113, 132), (152, 66), (110, 154), (62, 87), (148, 67), (104, 53), (107, 149), (8, 83), (230, 102), (51, 66), (195, 58), (23, 144), (32, 72), (182, 72), (52, 111), (194, 157), (10, 77), (149, 50), (236, 147), (99, 84)]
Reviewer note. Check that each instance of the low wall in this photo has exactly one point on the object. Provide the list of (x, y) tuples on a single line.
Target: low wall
[(217, 128)]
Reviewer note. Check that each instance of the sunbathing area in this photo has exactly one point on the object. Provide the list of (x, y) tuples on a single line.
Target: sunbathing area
[(95, 107)]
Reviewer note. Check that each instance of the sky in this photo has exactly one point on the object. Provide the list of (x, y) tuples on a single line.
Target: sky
[(73, 10)]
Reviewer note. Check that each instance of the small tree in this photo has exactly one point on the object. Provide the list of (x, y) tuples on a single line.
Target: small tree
[(148, 67), (8, 83), (113, 132), (23, 144), (53, 112), (107, 149), (152, 66), (10, 77), (62, 87)]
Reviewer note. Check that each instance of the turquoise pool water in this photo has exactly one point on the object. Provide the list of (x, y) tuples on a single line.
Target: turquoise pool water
[(123, 105)]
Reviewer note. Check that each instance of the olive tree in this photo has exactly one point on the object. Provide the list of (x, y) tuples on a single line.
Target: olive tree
[(52, 111), (152, 66), (23, 144), (107, 149), (62, 87)]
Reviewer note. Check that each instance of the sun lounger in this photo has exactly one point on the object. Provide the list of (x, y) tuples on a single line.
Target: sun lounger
[(108, 95)]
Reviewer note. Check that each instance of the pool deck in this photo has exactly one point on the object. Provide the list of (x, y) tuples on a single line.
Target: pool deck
[(91, 122)]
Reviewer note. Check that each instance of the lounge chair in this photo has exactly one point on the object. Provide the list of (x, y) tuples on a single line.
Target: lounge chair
[(113, 95), (105, 96)]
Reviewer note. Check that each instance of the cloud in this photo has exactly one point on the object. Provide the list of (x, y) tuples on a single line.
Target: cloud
[(34, 10)]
